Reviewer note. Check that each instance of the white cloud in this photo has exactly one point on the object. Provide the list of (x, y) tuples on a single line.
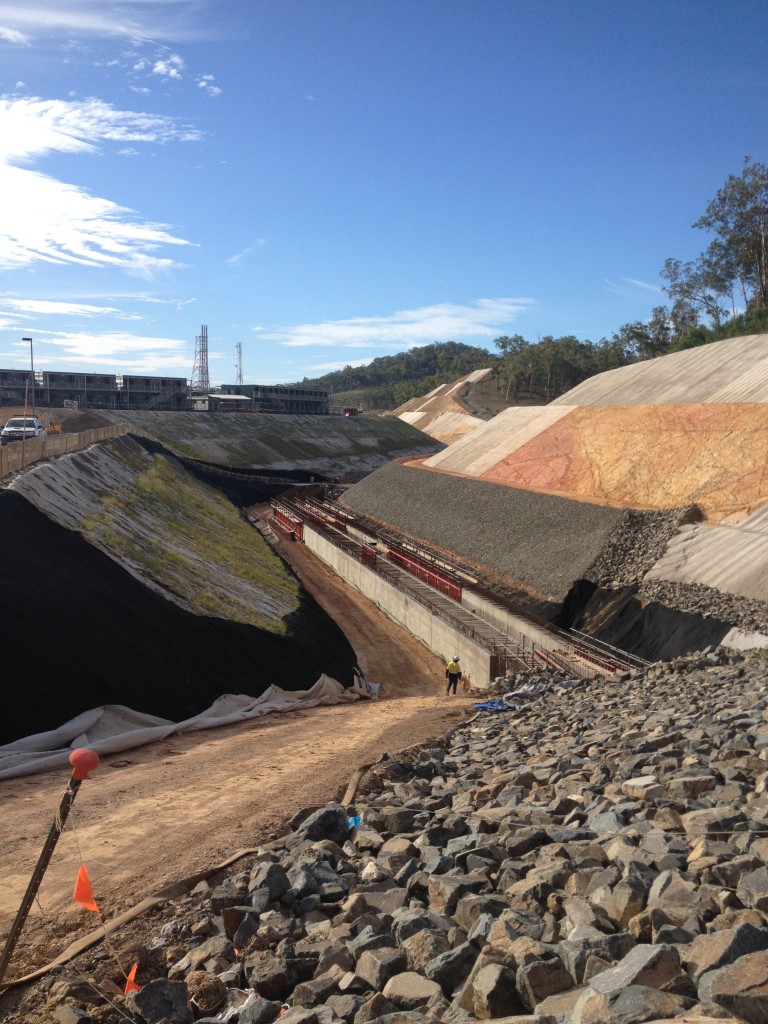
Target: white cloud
[(54, 222), (240, 256), (643, 284), (629, 286), (122, 351), (206, 82), (171, 66), (12, 35), (338, 365), (132, 19), (51, 307), (447, 321)]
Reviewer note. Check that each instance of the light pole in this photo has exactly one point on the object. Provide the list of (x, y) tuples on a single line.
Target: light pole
[(32, 364)]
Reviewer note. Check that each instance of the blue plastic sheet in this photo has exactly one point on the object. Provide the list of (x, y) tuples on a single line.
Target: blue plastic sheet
[(495, 705)]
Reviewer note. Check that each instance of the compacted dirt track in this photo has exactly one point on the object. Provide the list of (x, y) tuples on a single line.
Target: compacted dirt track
[(152, 816)]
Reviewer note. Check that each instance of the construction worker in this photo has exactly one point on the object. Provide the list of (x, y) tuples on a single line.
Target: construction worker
[(452, 674)]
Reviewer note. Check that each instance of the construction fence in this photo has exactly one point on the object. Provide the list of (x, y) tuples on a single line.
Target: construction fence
[(18, 455)]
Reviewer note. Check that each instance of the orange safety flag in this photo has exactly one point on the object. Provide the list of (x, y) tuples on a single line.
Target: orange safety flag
[(83, 893), (130, 984)]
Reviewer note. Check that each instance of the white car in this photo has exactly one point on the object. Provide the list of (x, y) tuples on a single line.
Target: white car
[(21, 428)]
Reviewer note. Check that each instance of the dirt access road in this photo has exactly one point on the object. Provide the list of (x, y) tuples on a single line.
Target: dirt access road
[(152, 816)]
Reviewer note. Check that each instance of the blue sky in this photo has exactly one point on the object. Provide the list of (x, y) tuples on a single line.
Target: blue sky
[(328, 181)]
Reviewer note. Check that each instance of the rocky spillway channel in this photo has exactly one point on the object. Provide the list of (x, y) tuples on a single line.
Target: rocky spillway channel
[(598, 854)]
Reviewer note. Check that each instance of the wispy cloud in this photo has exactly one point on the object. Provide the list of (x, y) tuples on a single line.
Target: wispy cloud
[(630, 286), (239, 257), (51, 221), (340, 364), (12, 35), (484, 318), (49, 307), (133, 19)]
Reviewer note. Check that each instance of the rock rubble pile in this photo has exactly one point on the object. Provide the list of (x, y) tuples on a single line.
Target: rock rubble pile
[(597, 856)]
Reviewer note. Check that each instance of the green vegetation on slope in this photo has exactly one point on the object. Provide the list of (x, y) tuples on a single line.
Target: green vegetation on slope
[(187, 540)]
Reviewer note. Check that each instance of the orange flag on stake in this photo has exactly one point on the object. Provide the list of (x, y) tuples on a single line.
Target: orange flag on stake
[(130, 984), (83, 893)]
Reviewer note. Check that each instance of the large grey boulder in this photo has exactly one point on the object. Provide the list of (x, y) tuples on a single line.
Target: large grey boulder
[(163, 1002), (720, 948), (632, 1005), (330, 822), (740, 987), (377, 966)]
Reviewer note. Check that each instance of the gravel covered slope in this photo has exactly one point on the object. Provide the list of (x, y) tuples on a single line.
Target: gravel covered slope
[(542, 541)]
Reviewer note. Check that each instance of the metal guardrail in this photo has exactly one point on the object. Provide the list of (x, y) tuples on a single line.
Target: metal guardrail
[(18, 455)]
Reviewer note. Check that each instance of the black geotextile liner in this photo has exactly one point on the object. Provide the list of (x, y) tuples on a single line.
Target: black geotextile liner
[(650, 631), (79, 631)]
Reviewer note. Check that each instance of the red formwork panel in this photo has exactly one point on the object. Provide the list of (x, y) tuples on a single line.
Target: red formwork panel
[(368, 554), (426, 573), (289, 523)]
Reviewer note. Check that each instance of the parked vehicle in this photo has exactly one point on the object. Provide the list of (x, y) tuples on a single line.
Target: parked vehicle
[(21, 428)]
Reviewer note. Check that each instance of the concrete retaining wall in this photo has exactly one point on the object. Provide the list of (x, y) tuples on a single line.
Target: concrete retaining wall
[(437, 634), (504, 620)]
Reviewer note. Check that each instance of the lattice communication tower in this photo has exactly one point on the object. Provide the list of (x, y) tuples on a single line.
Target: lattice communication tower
[(239, 363), (200, 379)]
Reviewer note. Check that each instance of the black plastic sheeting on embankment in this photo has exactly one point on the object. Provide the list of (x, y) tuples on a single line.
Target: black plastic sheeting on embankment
[(651, 631), (80, 631)]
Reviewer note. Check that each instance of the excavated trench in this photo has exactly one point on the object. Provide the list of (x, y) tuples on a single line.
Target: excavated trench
[(84, 628)]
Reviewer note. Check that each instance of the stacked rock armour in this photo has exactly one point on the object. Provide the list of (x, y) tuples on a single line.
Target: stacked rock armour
[(599, 855)]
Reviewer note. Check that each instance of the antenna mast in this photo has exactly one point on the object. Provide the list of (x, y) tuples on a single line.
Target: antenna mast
[(239, 363), (200, 378)]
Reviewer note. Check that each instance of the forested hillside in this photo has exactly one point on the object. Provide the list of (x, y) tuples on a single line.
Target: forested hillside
[(721, 294), (389, 381)]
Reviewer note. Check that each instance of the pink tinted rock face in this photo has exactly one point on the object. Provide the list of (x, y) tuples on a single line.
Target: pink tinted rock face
[(649, 456)]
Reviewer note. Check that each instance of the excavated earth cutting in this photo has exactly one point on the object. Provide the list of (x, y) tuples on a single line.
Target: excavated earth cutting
[(445, 413), (536, 493), (128, 578)]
